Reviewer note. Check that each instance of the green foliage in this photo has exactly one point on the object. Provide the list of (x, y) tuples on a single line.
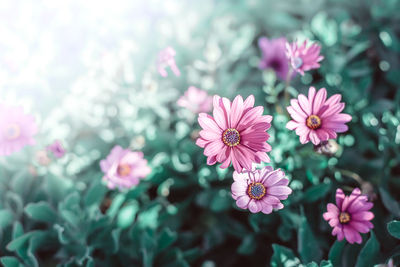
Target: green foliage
[(183, 214)]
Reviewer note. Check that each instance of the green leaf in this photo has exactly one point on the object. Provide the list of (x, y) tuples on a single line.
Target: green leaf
[(9, 261), (20, 241), (325, 263), (335, 253), (283, 257), (369, 254), (312, 264), (317, 192), (95, 194), (41, 211), (308, 246), (6, 218), (248, 245), (390, 204), (167, 237), (394, 228)]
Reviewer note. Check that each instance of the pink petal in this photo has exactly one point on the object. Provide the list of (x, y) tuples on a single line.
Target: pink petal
[(319, 100), (243, 202), (236, 111), (303, 101), (291, 125), (314, 137)]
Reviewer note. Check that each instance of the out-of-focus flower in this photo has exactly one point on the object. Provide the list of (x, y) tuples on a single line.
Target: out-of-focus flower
[(124, 168), (16, 129), (316, 118), (42, 158), (57, 149), (390, 263), (166, 58), (274, 56), (328, 148), (196, 100), (350, 216), (303, 57), (236, 133), (260, 190)]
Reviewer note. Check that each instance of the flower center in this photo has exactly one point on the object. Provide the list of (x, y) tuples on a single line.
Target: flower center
[(313, 122), (231, 137), (124, 170), (256, 190), (344, 217), (297, 62), (13, 131)]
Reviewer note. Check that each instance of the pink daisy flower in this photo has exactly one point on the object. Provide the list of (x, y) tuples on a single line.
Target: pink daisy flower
[(166, 58), (316, 118), (260, 190), (303, 57), (57, 149), (350, 216), (196, 100), (124, 168), (16, 129), (236, 133)]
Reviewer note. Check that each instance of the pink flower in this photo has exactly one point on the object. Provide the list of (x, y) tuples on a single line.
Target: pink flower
[(260, 190), (350, 216), (16, 129), (123, 168), (274, 56), (57, 149), (196, 100), (303, 58), (315, 118), (166, 58), (236, 133)]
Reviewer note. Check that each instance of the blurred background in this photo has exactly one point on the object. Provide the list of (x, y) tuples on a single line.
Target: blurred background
[(87, 71)]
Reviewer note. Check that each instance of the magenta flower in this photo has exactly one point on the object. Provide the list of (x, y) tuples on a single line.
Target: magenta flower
[(196, 100), (57, 149), (16, 129), (350, 216), (124, 168), (303, 57), (166, 58), (236, 133), (260, 190), (315, 118), (274, 56)]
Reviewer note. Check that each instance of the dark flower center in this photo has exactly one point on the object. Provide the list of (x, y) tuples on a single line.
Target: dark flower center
[(344, 217), (297, 62), (313, 122), (256, 190), (13, 131), (124, 170), (231, 137), (275, 64)]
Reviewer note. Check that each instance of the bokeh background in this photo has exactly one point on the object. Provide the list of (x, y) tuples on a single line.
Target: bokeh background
[(87, 71)]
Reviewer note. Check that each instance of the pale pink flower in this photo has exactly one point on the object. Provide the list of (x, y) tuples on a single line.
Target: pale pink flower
[(260, 190), (166, 58), (196, 100), (316, 118), (304, 57), (124, 168), (16, 129), (57, 149), (236, 133), (350, 216)]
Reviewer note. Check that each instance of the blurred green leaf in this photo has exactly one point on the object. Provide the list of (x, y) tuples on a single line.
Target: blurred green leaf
[(167, 238), (317, 192), (369, 254), (393, 228), (391, 204), (41, 211), (335, 253), (6, 218), (283, 257), (9, 261), (308, 246)]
